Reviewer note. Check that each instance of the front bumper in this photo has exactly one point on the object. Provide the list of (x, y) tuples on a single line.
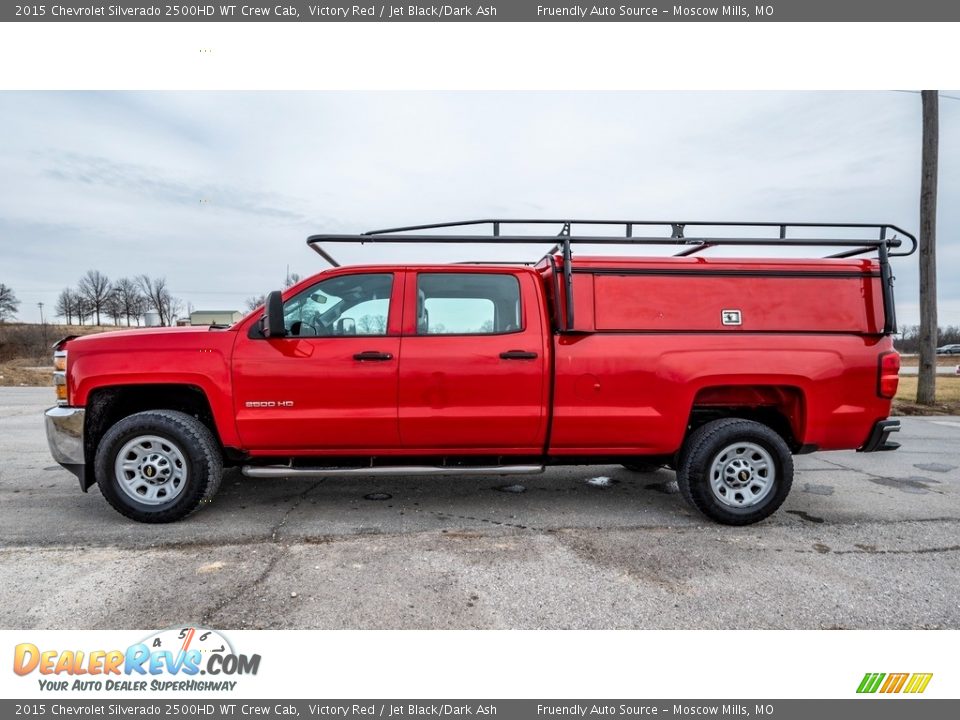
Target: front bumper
[(65, 438), (879, 437)]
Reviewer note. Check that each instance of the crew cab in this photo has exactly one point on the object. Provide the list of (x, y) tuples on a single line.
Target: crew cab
[(719, 367)]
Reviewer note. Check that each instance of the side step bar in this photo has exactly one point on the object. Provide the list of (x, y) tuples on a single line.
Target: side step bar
[(278, 471)]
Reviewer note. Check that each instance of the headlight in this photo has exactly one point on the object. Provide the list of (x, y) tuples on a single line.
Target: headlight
[(60, 376)]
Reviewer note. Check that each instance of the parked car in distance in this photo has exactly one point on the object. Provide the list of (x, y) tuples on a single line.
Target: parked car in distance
[(721, 368), (948, 350)]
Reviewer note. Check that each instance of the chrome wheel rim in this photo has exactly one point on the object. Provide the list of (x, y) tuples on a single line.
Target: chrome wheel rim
[(742, 475), (151, 470)]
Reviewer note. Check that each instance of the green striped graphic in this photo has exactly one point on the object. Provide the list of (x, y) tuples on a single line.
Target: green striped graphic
[(871, 682)]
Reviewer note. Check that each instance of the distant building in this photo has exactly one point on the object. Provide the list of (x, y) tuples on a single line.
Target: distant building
[(215, 317), (151, 318)]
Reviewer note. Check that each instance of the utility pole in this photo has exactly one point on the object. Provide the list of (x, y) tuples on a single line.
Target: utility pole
[(43, 326), (926, 382)]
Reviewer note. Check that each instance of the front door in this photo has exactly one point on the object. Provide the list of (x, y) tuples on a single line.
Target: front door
[(472, 363), (329, 385)]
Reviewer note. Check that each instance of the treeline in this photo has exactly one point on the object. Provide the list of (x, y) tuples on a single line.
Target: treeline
[(96, 298), (8, 303), (908, 339)]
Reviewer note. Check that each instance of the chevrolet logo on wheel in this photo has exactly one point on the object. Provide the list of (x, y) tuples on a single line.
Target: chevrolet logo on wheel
[(912, 683)]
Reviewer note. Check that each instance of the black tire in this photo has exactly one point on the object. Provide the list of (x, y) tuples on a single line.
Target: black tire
[(704, 446), (183, 444), (643, 467)]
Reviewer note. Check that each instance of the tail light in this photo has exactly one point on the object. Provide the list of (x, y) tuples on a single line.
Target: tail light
[(888, 375), (60, 376)]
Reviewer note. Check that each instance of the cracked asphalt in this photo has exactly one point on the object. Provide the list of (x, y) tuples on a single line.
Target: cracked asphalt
[(863, 541)]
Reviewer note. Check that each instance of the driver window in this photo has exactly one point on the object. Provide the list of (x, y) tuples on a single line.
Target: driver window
[(341, 306)]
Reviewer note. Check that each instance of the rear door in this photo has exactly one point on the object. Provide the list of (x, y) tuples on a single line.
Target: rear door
[(473, 362)]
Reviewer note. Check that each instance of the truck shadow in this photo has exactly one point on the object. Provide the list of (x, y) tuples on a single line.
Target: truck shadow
[(594, 496)]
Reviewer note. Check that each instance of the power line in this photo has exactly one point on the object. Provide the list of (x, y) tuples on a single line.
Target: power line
[(917, 92)]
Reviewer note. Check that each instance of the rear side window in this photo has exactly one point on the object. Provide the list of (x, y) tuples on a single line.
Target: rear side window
[(468, 304)]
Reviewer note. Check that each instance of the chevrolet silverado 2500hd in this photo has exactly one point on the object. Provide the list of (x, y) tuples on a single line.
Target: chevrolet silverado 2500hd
[(720, 367)]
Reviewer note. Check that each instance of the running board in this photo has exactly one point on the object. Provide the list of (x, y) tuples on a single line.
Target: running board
[(277, 471)]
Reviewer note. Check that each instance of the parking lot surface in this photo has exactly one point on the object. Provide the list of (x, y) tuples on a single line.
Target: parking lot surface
[(863, 541)]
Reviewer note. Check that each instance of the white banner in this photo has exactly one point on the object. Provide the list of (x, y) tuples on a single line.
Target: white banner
[(464, 664)]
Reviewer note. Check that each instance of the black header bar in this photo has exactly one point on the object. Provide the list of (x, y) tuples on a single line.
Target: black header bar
[(492, 11)]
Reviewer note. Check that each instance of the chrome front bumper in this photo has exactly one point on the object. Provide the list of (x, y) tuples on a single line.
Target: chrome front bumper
[(65, 436)]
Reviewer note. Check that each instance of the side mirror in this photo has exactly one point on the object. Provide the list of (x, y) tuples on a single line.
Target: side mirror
[(271, 324), (346, 326)]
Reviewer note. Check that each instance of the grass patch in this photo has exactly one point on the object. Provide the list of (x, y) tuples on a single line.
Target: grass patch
[(22, 372), (948, 397), (942, 360)]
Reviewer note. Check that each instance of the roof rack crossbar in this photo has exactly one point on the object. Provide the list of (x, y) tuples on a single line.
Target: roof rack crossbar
[(678, 232), (604, 240), (676, 226)]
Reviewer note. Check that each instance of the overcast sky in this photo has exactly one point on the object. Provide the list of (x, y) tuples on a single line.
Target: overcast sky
[(218, 191)]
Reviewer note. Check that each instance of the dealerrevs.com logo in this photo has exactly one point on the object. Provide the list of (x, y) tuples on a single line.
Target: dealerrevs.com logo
[(912, 683), (172, 659)]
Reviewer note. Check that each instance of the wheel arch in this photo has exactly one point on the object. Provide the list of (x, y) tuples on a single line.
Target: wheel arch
[(782, 408), (108, 405)]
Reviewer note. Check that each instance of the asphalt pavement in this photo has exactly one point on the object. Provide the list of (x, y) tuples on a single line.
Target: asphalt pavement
[(863, 541)]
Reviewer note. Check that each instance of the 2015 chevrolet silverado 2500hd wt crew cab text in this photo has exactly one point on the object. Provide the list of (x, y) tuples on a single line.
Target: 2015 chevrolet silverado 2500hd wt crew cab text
[(721, 367)]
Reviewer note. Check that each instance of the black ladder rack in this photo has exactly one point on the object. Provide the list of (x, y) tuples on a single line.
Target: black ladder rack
[(886, 242)]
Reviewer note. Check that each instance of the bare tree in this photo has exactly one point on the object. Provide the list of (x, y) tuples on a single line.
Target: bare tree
[(256, 301), (94, 287), (113, 306), (130, 298), (8, 303), (153, 292), (66, 305), (138, 306), (83, 308), (174, 308), (79, 307), (926, 383), (371, 325), (159, 298)]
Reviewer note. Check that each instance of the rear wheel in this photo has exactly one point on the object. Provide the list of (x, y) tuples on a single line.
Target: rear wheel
[(158, 466), (735, 471)]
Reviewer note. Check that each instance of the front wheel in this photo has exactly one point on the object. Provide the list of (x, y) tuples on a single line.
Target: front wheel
[(158, 466), (735, 471)]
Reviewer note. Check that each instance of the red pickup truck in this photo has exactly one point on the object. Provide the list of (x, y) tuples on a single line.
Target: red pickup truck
[(719, 367)]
